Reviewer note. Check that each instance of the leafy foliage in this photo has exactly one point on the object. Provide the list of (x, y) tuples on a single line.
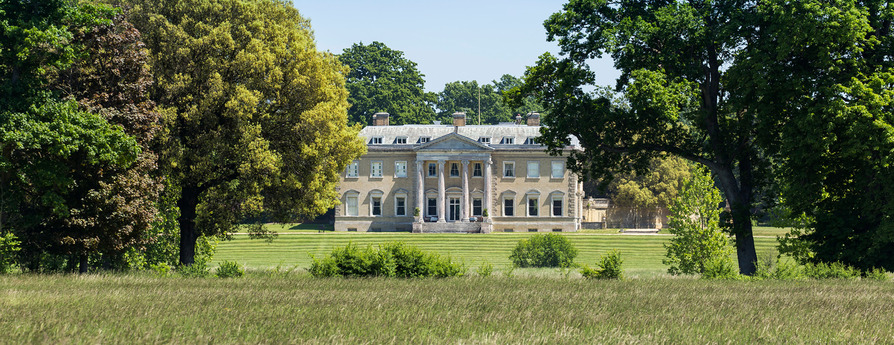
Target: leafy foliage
[(826, 80), (694, 221), (835, 270), (254, 116), (60, 162), (549, 250), (383, 80), (485, 269), (9, 248), (677, 94), (658, 187), (230, 269), (464, 96), (393, 259), (719, 267), (609, 267)]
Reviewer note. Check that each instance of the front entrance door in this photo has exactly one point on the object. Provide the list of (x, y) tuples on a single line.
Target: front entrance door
[(453, 210)]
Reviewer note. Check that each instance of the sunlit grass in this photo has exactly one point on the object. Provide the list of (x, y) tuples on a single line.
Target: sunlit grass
[(642, 254), (496, 310)]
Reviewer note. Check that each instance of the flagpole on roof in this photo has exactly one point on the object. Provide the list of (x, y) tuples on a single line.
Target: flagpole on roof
[(479, 105)]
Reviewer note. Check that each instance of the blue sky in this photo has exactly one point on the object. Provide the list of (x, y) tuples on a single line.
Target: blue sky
[(449, 40)]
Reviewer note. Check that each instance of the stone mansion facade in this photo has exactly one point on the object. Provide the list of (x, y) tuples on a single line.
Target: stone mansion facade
[(460, 179)]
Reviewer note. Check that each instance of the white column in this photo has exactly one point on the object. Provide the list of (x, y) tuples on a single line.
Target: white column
[(442, 194), (464, 208), (420, 186), (487, 188)]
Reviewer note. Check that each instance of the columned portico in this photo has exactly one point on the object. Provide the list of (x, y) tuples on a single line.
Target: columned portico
[(464, 207), (442, 194), (487, 188), (420, 187)]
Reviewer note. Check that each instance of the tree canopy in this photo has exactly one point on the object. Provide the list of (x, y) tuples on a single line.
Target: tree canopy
[(657, 187), (465, 96), (254, 117), (381, 79), (820, 76), (737, 86), (64, 168)]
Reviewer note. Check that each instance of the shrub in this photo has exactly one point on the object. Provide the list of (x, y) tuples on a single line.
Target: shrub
[(694, 221), (197, 270), (787, 270), (161, 269), (609, 267), (485, 269), (409, 261), (549, 250), (877, 274), (394, 259), (9, 247), (230, 269), (835, 270), (719, 267), (509, 272)]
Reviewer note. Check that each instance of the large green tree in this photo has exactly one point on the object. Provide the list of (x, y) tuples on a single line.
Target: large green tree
[(381, 79), (254, 117), (57, 157), (464, 96), (739, 87), (672, 56), (656, 187), (112, 79), (820, 76), (469, 97)]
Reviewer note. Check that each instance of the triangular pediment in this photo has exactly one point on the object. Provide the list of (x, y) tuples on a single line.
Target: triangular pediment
[(453, 142)]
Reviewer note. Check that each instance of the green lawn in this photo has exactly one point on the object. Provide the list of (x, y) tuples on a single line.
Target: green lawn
[(297, 309), (642, 254)]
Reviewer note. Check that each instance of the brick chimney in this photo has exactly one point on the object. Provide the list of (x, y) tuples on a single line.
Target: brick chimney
[(459, 119), (533, 119), (380, 119)]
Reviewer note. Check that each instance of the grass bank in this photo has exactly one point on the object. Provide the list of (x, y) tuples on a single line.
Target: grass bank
[(642, 254), (494, 310)]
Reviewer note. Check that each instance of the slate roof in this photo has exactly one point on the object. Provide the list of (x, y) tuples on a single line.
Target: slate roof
[(521, 134)]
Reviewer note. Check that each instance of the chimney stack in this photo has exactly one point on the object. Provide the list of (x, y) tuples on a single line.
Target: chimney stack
[(533, 119), (380, 119), (459, 119)]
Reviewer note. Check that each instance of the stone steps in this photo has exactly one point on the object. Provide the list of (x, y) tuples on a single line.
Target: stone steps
[(457, 227), (639, 231)]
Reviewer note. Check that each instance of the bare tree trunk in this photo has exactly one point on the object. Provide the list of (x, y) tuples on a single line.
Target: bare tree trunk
[(82, 267), (188, 202)]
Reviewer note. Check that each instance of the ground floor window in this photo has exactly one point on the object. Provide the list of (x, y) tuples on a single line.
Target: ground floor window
[(351, 205), (532, 206), (432, 207), (557, 207), (400, 206), (508, 207), (376, 206), (453, 210), (476, 207)]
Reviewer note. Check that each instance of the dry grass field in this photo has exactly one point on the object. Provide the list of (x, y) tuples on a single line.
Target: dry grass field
[(295, 308)]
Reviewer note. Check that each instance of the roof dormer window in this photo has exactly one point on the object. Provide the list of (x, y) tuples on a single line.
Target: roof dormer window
[(532, 141), (376, 141), (484, 140), (508, 140), (400, 140), (423, 140)]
